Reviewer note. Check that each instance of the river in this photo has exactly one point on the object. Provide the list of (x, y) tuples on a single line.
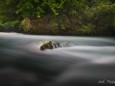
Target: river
[(90, 62)]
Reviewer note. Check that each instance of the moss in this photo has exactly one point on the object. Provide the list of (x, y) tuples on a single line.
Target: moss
[(46, 45)]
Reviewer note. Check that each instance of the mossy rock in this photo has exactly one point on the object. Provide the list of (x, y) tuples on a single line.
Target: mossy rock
[(46, 45)]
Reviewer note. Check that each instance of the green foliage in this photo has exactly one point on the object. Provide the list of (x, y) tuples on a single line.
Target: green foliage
[(38, 7), (8, 10), (86, 29), (77, 16), (99, 14)]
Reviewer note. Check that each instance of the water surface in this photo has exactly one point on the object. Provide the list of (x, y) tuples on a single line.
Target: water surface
[(22, 63)]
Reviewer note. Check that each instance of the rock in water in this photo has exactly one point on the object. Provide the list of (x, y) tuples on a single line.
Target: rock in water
[(54, 44)]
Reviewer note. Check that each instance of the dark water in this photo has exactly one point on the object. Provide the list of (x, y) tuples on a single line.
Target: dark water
[(90, 62)]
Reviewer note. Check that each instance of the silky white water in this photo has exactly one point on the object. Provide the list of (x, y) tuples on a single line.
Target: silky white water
[(88, 61)]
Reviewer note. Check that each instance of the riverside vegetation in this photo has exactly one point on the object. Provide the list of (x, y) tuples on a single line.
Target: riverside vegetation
[(58, 17)]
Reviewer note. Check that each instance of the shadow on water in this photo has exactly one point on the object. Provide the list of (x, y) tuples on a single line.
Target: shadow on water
[(90, 62)]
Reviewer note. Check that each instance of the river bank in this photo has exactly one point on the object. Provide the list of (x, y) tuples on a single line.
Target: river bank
[(47, 30)]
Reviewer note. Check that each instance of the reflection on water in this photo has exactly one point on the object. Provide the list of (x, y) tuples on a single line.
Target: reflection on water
[(23, 64)]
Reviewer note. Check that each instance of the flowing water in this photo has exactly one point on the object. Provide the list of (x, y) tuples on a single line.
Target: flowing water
[(91, 61)]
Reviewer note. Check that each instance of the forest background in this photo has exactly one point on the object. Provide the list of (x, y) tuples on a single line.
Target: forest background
[(58, 17)]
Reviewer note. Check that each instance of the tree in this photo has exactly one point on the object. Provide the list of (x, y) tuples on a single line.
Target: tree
[(82, 16), (8, 10)]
